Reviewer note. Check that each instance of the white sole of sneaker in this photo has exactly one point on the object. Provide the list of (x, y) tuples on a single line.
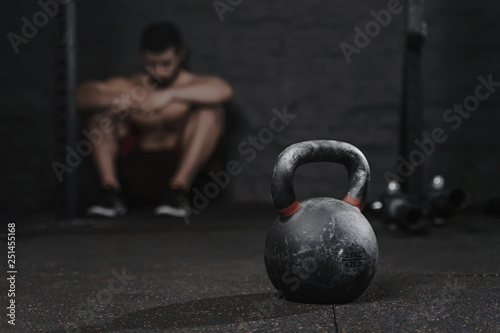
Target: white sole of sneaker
[(106, 212), (172, 211)]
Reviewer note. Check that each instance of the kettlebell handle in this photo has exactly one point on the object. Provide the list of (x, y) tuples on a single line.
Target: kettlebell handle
[(319, 151)]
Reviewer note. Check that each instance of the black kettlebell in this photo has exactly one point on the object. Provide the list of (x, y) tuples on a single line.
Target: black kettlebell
[(321, 250)]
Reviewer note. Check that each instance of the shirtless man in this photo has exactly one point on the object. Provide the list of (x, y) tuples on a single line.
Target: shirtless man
[(166, 108)]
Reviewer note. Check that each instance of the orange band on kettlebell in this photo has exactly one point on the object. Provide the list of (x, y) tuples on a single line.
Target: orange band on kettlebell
[(290, 210), (354, 201)]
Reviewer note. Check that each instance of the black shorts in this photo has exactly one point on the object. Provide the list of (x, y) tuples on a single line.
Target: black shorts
[(145, 175)]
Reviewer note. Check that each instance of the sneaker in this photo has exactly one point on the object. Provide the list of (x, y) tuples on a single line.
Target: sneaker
[(173, 203), (111, 204)]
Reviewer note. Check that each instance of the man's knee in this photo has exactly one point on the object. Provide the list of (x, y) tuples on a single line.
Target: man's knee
[(98, 127)]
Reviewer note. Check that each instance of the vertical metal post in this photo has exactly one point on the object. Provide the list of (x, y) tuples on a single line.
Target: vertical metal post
[(412, 107), (66, 115)]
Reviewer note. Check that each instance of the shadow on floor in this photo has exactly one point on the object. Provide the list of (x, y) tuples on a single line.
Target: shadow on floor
[(225, 310), (238, 310)]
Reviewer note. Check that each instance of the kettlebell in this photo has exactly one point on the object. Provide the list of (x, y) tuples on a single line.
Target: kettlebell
[(321, 250)]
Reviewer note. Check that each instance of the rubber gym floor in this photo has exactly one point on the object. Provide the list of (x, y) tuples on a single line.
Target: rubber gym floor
[(140, 273)]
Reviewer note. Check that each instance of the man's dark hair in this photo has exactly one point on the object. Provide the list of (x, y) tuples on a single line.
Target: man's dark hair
[(160, 36)]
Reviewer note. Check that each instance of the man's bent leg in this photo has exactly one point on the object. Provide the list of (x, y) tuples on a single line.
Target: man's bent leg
[(200, 138), (105, 151), (198, 142)]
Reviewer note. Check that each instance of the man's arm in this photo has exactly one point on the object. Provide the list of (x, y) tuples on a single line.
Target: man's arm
[(203, 90), (100, 95), (199, 90)]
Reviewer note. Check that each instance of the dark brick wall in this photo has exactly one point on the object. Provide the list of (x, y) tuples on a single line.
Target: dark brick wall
[(26, 112), (275, 54)]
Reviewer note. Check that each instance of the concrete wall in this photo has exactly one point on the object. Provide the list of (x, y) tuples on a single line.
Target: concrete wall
[(276, 54)]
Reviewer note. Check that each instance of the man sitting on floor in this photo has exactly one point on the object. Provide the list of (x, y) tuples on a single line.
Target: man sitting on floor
[(161, 126)]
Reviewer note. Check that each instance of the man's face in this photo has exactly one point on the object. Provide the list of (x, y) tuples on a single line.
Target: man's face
[(163, 66)]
